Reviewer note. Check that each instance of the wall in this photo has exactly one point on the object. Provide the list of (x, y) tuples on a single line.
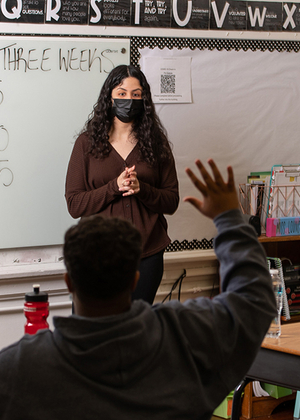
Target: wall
[(201, 279)]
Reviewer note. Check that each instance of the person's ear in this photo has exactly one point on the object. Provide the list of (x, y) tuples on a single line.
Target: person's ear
[(68, 282), (135, 281)]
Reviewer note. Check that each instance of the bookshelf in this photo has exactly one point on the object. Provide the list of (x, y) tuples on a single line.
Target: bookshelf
[(254, 200), (282, 247), (262, 407), (266, 239)]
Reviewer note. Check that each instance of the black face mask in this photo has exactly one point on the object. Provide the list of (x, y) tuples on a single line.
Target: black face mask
[(127, 110)]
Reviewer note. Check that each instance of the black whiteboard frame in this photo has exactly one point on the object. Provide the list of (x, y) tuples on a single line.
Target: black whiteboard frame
[(208, 43), (137, 43)]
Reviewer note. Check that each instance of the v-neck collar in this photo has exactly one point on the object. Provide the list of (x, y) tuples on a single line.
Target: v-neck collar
[(118, 154)]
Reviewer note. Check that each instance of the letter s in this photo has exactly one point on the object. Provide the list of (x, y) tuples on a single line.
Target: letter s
[(16, 11), (96, 9)]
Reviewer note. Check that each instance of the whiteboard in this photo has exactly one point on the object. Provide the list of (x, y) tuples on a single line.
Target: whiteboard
[(48, 87), (244, 112)]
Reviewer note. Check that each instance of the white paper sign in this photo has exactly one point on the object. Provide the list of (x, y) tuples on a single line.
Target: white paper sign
[(169, 78)]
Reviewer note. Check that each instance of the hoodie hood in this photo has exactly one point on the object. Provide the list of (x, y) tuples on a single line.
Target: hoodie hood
[(114, 350)]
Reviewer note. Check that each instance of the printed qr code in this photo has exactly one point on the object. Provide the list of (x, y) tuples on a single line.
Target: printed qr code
[(167, 83)]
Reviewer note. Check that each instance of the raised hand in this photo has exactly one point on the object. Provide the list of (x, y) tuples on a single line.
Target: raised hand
[(218, 195)]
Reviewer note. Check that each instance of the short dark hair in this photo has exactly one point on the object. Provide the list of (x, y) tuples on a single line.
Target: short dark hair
[(101, 256)]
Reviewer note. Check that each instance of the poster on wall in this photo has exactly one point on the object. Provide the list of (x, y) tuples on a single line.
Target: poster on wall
[(190, 15), (233, 15), (116, 13), (152, 13), (228, 15), (291, 17), (69, 12), (264, 16), (25, 11), (170, 79)]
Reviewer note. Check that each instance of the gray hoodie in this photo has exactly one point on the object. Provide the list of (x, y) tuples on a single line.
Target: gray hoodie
[(169, 361)]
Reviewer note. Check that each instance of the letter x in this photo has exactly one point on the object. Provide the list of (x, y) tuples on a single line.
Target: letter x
[(289, 18)]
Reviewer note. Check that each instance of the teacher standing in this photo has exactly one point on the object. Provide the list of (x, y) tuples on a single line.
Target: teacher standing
[(122, 165)]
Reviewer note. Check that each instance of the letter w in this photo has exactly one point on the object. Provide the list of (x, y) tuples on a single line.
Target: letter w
[(63, 62), (257, 16)]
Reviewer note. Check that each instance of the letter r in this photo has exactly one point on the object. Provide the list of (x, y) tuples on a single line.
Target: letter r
[(52, 13)]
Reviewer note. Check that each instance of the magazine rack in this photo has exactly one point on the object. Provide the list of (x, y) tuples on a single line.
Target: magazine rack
[(269, 202)]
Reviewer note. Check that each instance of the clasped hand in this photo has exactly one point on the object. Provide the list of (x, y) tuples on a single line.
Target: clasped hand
[(128, 182)]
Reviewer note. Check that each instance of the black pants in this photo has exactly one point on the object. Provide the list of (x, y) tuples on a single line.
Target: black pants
[(151, 272)]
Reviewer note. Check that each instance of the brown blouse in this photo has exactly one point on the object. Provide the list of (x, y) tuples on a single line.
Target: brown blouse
[(91, 187)]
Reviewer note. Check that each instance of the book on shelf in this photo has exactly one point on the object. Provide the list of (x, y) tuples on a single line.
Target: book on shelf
[(291, 274), (258, 200)]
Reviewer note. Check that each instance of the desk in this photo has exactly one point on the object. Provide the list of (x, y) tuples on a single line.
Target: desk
[(277, 363)]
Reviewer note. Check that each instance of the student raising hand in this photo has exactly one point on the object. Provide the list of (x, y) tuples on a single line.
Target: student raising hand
[(218, 195)]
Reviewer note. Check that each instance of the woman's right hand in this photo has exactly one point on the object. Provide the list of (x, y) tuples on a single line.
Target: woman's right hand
[(123, 179)]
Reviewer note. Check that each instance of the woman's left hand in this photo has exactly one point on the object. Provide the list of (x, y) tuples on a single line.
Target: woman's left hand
[(131, 184)]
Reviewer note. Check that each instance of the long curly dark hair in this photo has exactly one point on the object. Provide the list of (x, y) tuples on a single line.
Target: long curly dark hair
[(152, 138)]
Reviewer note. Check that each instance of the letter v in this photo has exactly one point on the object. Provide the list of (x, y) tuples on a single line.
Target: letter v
[(219, 20)]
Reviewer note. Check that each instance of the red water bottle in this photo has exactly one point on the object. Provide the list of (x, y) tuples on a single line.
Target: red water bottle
[(36, 310)]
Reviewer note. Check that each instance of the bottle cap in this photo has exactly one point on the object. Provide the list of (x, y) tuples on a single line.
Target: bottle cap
[(274, 271), (36, 295)]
